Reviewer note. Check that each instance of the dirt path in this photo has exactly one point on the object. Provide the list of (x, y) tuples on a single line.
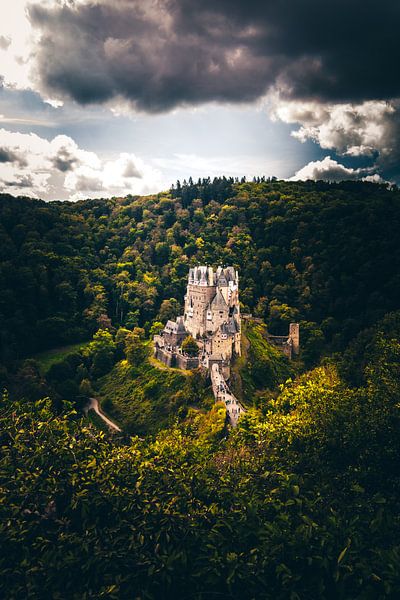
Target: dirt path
[(93, 404)]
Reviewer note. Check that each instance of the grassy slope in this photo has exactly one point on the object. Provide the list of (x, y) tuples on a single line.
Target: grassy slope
[(50, 357), (147, 398), (261, 368)]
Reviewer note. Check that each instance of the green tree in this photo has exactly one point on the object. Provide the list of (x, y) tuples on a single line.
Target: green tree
[(155, 328), (169, 309), (101, 352), (189, 346), (135, 349)]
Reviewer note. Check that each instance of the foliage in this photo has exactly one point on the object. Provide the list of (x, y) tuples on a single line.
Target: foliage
[(49, 357), (261, 367), (135, 349), (189, 346), (300, 503), (302, 499), (156, 328), (325, 254), (146, 398), (366, 349), (101, 351)]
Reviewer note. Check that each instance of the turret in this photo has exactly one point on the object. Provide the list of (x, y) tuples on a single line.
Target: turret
[(294, 336)]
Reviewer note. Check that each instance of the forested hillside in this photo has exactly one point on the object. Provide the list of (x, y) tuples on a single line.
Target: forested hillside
[(301, 500), (324, 254)]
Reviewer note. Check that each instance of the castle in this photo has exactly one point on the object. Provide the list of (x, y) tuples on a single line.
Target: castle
[(211, 317)]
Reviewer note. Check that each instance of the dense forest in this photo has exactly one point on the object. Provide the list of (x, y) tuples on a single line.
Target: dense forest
[(325, 254), (301, 500)]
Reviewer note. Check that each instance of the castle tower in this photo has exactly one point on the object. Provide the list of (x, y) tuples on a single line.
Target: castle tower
[(294, 336), (211, 302), (199, 293)]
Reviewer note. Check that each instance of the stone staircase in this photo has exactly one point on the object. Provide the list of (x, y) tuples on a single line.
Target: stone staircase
[(222, 393)]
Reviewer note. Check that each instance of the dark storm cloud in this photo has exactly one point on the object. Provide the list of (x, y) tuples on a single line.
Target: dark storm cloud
[(159, 55), (9, 156), (64, 161), (6, 155)]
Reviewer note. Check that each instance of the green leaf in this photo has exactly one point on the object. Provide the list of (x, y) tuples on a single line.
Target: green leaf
[(342, 555)]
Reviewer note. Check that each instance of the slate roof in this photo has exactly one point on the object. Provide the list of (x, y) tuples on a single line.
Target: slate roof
[(230, 327), (177, 326), (219, 301)]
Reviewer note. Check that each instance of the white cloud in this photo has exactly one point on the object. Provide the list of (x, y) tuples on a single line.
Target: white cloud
[(18, 43), (350, 129), (376, 178), (330, 170), (127, 174), (34, 166), (14, 57)]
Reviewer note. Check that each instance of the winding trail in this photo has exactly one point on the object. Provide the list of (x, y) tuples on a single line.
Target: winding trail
[(93, 404)]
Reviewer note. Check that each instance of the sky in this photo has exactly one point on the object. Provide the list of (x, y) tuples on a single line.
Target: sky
[(103, 98)]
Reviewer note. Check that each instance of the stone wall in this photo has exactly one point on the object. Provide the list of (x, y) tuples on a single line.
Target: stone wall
[(289, 345), (222, 344), (165, 356), (294, 336), (186, 362), (174, 359)]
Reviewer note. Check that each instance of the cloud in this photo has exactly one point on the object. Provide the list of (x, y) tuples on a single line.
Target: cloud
[(9, 156), (349, 129), (316, 67), (4, 42), (38, 167), (370, 130), (124, 175), (81, 182), (16, 43), (131, 170), (182, 165), (329, 169), (317, 61), (22, 182), (65, 160), (160, 54)]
